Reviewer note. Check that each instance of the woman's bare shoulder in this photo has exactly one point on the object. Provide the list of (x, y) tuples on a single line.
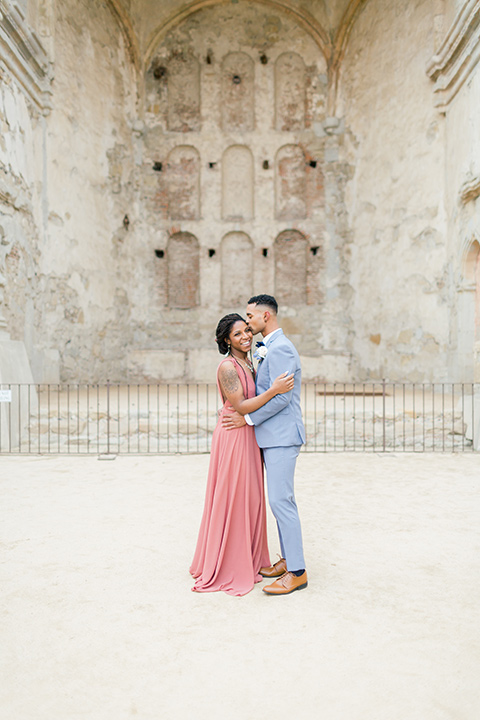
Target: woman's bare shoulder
[(227, 373), (227, 366)]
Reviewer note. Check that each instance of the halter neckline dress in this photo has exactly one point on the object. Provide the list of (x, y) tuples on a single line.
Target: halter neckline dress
[(232, 541)]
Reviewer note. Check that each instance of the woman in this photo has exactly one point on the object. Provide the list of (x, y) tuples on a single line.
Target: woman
[(232, 542)]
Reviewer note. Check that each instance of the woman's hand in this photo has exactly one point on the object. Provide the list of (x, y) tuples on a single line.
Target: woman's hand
[(283, 383)]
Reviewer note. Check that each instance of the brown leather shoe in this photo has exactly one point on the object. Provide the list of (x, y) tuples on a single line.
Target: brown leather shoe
[(275, 570), (287, 584)]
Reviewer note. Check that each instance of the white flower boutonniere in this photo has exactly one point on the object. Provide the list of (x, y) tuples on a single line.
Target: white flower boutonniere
[(261, 351)]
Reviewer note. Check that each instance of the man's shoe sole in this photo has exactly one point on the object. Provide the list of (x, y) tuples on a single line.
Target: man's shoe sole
[(273, 576), (300, 587)]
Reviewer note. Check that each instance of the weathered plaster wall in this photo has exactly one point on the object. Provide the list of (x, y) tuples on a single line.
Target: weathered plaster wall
[(21, 216), (88, 184), (400, 277), (463, 211)]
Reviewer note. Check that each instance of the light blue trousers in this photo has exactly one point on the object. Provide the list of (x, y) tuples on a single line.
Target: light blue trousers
[(280, 465)]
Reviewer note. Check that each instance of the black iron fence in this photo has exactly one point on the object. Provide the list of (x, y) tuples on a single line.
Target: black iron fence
[(180, 418)]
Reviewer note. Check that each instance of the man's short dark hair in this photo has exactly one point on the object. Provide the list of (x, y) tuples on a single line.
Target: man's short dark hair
[(267, 300)]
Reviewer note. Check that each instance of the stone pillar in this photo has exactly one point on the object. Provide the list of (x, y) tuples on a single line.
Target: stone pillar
[(3, 323), (476, 362), (337, 291), (476, 345), (15, 376)]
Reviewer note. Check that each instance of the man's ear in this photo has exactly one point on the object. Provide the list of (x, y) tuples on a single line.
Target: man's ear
[(266, 316)]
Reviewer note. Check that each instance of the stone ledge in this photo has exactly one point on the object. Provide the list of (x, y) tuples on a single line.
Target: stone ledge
[(470, 190), (458, 55), (22, 53)]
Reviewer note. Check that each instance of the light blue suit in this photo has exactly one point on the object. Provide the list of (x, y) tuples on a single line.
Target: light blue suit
[(280, 433)]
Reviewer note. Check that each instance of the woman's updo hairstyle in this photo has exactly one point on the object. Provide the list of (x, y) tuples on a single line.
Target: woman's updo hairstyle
[(223, 331)]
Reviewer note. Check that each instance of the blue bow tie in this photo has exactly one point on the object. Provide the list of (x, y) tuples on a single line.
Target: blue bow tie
[(259, 344)]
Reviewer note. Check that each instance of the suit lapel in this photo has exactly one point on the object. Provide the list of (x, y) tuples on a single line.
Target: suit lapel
[(262, 362)]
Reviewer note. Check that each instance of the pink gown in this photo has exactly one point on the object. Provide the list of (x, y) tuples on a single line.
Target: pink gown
[(232, 542)]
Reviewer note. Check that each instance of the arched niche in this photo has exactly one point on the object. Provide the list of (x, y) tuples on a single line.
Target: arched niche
[(290, 183), (238, 95), (237, 183), (290, 94), (183, 88), (183, 270), (471, 262), (182, 183), (237, 269), (291, 250)]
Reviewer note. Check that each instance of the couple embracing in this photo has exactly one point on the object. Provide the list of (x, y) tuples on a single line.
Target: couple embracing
[(260, 414)]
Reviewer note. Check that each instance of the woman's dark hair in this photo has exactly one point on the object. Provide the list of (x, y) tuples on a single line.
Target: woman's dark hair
[(223, 331)]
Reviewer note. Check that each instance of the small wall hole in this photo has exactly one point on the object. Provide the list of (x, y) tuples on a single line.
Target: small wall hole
[(211, 252), (263, 59), (265, 252), (159, 72), (157, 166), (236, 79), (211, 165), (209, 58), (160, 253), (313, 163), (314, 250), (266, 165)]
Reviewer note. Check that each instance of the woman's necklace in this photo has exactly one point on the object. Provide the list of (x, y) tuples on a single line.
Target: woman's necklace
[(246, 363)]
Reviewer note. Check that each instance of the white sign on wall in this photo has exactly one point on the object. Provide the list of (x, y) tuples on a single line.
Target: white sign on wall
[(5, 396)]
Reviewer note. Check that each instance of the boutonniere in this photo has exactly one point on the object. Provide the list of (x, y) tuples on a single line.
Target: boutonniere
[(261, 351)]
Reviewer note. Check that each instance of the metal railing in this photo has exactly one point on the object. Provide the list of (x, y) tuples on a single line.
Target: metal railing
[(180, 418)]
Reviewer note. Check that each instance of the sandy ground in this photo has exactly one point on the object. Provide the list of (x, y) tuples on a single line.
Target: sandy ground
[(98, 621)]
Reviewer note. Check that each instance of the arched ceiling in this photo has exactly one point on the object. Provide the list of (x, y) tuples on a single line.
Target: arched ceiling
[(329, 21), (146, 14)]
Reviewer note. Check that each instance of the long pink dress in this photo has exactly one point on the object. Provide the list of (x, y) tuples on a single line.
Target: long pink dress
[(232, 542)]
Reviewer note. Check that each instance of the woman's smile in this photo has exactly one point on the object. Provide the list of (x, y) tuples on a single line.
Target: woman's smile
[(241, 337)]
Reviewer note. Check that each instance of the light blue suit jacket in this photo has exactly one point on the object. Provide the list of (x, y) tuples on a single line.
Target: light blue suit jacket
[(279, 422)]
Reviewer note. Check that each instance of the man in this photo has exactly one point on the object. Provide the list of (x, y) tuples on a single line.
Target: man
[(280, 433)]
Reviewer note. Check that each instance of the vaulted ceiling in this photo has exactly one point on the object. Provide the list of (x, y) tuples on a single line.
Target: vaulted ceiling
[(328, 21)]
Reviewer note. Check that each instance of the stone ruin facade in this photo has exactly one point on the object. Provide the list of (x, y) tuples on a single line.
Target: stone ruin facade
[(161, 162)]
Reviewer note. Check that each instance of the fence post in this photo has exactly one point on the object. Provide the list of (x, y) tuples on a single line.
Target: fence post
[(108, 416), (383, 394)]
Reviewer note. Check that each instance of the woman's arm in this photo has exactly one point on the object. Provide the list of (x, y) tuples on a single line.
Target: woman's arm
[(232, 389)]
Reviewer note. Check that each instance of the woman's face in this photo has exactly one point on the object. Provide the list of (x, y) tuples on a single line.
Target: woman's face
[(240, 336)]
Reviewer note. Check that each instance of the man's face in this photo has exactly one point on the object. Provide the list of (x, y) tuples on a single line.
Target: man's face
[(257, 317)]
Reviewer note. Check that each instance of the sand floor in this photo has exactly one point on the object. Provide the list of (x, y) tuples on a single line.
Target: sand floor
[(97, 620)]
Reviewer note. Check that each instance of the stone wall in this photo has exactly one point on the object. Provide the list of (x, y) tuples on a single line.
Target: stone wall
[(256, 178), (89, 186), (400, 270), (460, 102), (158, 167), (22, 219)]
